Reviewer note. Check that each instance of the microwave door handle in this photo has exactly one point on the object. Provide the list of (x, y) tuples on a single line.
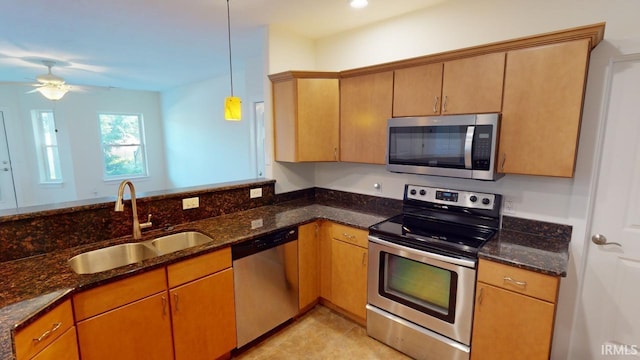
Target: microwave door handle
[(468, 145)]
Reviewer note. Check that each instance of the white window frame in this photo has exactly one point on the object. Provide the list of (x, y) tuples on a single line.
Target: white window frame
[(47, 148), (141, 145)]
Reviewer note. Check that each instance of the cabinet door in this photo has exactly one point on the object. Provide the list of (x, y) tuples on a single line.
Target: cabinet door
[(306, 115), (140, 330), (308, 264), (473, 85), (417, 90), (204, 319), (325, 260), (349, 277), (543, 96), (63, 348), (509, 326), (365, 107)]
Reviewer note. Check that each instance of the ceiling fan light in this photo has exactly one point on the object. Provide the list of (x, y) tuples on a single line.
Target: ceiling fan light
[(53, 92), (358, 4), (232, 108)]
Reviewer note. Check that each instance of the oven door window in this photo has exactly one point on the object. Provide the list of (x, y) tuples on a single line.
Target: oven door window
[(436, 146), (423, 287)]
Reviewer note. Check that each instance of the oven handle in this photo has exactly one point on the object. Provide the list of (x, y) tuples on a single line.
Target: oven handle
[(470, 263), (468, 145)]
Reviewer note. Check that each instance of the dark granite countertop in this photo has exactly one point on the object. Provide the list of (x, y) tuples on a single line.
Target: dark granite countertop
[(31, 285), (531, 245)]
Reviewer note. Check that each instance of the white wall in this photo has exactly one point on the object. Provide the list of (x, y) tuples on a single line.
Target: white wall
[(76, 117), (198, 137), (462, 23)]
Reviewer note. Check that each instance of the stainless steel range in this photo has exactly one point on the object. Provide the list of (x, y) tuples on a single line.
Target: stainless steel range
[(422, 271)]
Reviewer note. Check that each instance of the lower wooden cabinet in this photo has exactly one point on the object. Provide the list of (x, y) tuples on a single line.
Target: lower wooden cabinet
[(308, 265), (52, 336), (343, 269), (349, 277), (514, 313), (140, 330), (187, 309), (203, 314), (63, 348)]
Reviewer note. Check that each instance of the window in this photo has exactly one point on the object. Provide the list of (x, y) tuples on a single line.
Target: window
[(44, 131), (122, 138)]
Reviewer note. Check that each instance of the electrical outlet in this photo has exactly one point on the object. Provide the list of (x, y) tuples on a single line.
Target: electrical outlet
[(509, 206), (190, 203), (256, 224), (255, 193)]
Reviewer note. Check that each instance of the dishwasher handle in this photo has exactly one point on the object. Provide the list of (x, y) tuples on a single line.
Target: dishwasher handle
[(264, 242)]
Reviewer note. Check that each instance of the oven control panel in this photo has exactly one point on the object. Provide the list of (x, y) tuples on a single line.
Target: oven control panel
[(468, 199)]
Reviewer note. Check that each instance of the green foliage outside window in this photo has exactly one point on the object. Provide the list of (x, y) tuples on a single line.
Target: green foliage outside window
[(122, 145)]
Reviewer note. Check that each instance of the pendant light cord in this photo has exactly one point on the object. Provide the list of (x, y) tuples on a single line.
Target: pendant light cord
[(229, 34)]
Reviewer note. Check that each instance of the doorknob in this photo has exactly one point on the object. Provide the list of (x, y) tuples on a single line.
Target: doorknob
[(600, 239)]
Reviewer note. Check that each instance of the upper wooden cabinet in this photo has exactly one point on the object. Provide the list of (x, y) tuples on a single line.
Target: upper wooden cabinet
[(536, 82), (543, 96), (365, 106), (417, 90), (473, 85), (466, 86), (306, 116)]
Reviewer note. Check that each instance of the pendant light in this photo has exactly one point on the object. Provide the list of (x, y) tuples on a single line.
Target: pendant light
[(232, 104)]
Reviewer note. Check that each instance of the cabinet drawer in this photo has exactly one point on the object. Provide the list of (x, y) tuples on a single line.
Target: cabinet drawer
[(522, 281), (349, 234), (110, 296), (195, 268), (42, 332), (64, 348)]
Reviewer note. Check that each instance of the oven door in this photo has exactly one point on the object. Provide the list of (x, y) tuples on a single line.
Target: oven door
[(431, 290)]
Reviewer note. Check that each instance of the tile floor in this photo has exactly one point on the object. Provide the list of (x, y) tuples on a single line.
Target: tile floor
[(321, 334)]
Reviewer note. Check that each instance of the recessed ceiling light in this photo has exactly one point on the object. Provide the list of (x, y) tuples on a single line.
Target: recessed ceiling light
[(358, 4)]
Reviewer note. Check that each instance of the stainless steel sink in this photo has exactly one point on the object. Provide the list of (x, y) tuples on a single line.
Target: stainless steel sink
[(180, 241), (120, 255), (111, 257)]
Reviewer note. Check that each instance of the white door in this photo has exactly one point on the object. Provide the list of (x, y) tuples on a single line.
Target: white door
[(7, 191), (609, 316)]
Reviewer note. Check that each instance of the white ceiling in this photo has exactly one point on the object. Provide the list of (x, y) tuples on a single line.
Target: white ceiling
[(159, 44)]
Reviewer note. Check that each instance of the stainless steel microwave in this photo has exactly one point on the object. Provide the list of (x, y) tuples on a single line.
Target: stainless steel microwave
[(462, 146)]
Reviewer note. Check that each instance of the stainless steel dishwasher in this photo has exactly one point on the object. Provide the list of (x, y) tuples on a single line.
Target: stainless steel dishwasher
[(265, 274)]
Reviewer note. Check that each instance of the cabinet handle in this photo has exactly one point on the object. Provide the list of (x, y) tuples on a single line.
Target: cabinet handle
[(335, 153), (480, 297), (348, 236), (177, 300), (444, 104), (47, 333), (317, 229), (364, 259), (435, 104), (164, 305), (504, 158), (522, 284)]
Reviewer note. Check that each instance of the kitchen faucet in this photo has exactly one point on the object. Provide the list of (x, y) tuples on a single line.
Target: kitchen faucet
[(137, 227)]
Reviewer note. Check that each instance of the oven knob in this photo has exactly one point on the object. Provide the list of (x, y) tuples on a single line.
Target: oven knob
[(473, 198), (413, 191), (423, 192), (486, 201)]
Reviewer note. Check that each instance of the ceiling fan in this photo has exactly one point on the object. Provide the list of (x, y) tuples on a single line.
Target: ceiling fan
[(51, 86)]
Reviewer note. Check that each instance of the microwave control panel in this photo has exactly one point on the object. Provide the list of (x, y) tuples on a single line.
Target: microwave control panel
[(461, 198)]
